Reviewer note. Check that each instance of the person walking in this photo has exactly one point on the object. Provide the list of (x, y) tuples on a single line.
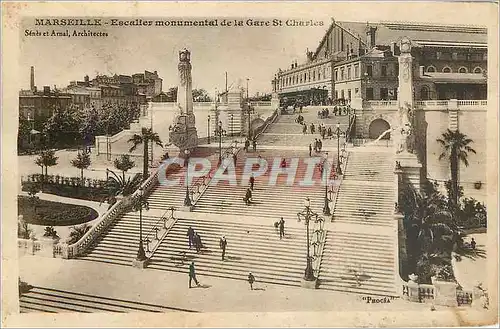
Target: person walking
[(310, 150), (223, 244), (197, 242), (190, 235), (192, 275), (252, 181), (473, 244), (320, 145), (254, 145), (304, 129), (312, 128), (282, 228), (248, 197), (247, 145), (251, 280), (316, 145)]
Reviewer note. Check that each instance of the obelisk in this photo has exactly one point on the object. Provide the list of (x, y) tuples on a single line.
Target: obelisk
[(183, 133)]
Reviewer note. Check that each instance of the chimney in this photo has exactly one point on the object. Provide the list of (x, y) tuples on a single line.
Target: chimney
[(32, 79), (370, 35)]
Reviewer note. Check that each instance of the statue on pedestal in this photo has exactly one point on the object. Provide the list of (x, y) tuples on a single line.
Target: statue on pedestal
[(406, 142), (183, 133)]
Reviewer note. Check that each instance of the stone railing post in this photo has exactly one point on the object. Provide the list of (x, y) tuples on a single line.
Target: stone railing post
[(413, 293)]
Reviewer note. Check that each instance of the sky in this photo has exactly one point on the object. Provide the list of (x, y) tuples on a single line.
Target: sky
[(245, 52)]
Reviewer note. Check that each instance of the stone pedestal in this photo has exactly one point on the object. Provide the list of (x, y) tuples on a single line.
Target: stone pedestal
[(47, 246), (445, 293), (140, 263), (413, 295), (186, 208), (309, 284), (275, 101), (410, 168)]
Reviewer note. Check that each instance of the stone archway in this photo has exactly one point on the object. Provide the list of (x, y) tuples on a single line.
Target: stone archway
[(378, 127)]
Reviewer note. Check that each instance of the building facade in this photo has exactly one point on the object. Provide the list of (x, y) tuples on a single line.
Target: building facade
[(360, 64)]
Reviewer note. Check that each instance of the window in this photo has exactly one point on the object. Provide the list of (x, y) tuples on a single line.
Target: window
[(324, 72), (384, 70), (342, 74), (384, 93), (431, 69), (424, 93), (342, 94), (314, 75), (369, 94), (336, 75), (369, 70), (478, 70), (336, 94), (356, 91), (319, 74), (446, 69), (309, 76), (462, 70), (356, 71), (348, 73), (348, 93)]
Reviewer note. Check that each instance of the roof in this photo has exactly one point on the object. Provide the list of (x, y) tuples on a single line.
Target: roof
[(468, 78), (419, 33)]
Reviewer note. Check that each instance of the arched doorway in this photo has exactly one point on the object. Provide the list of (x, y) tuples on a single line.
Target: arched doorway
[(378, 127)]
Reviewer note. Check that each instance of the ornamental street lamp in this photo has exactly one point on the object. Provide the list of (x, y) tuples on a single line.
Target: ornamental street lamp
[(219, 132), (208, 129), (140, 203), (187, 199), (338, 132), (326, 207), (308, 214), (231, 125)]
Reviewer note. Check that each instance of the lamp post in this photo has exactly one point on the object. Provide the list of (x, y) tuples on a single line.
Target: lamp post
[(208, 129), (232, 124), (326, 207), (308, 214), (141, 255), (338, 132), (187, 199), (219, 132), (248, 112)]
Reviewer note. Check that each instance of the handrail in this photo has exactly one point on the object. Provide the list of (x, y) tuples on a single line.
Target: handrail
[(163, 231)]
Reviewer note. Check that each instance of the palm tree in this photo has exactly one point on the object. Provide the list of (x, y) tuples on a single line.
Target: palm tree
[(124, 164), (147, 135), (77, 232), (82, 161), (119, 185), (456, 149)]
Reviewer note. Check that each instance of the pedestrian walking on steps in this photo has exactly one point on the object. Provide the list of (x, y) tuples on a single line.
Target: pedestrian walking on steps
[(197, 242), (223, 244), (304, 129), (192, 275), (312, 128), (190, 235), (254, 145), (247, 145), (282, 228), (251, 280), (248, 197), (252, 181), (310, 150), (320, 145)]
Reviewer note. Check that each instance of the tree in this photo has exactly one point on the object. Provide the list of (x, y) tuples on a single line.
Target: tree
[(124, 164), (89, 124), (33, 189), (201, 95), (50, 232), (82, 161), (46, 159), (63, 127), (77, 232), (147, 135), (456, 149), (119, 185)]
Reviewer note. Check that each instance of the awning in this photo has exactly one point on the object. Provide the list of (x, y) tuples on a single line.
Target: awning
[(460, 78)]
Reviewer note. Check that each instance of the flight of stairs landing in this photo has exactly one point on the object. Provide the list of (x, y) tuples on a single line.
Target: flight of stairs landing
[(252, 248), (40, 299), (278, 200), (360, 251)]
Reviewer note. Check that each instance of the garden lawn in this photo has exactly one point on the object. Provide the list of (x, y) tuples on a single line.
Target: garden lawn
[(48, 213)]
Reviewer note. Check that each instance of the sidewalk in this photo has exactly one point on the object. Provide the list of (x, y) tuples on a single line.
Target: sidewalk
[(171, 289)]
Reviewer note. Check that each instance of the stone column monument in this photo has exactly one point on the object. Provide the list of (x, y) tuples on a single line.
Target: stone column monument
[(405, 132), (183, 133)]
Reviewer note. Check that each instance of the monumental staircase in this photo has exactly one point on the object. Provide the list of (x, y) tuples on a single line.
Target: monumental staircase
[(360, 252), (41, 299)]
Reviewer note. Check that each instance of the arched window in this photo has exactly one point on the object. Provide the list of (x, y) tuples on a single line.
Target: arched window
[(462, 70), (478, 70), (424, 93), (446, 69), (431, 69)]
